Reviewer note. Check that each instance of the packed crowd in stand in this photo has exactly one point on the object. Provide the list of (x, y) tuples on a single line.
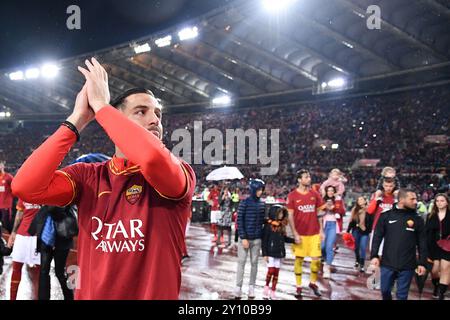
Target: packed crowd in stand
[(390, 128)]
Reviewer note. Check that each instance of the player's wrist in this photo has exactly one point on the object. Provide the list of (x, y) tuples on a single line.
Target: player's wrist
[(78, 121), (98, 105)]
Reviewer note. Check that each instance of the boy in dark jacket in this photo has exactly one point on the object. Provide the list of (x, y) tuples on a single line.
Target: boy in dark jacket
[(250, 220), (273, 248)]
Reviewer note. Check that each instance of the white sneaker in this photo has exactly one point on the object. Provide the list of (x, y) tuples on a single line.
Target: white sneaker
[(251, 292), (326, 272), (273, 296), (266, 292), (237, 293)]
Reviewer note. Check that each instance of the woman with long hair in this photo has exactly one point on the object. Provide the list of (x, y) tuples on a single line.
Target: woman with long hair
[(438, 228), (334, 210), (360, 226)]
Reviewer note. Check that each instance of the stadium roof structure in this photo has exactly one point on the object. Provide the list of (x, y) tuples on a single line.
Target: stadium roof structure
[(262, 59)]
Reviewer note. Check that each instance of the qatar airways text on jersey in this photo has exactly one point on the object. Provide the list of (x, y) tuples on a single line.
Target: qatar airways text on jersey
[(119, 236)]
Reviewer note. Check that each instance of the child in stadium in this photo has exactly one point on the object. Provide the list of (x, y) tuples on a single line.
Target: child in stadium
[(273, 248), (251, 220), (388, 174), (336, 179)]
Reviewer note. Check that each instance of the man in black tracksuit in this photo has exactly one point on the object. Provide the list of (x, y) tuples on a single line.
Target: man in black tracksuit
[(403, 231)]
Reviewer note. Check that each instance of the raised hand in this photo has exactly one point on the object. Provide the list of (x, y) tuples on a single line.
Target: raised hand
[(82, 113), (97, 84)]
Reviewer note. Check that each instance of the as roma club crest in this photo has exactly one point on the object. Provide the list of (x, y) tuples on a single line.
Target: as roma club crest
[(133, 194), (410, 223)]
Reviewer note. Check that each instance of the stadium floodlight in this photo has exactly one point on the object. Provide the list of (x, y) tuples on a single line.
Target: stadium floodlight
[(142, 48), (222, 100), (163, 42), (8, 114), (276, 5), (2, 114), (324, 85), (32, 73), (18, 75), (49, 70), (334, 146), (188, 33), (336, 83)]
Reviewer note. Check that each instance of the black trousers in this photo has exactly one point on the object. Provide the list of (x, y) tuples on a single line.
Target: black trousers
[(59, 253), (7, 219)]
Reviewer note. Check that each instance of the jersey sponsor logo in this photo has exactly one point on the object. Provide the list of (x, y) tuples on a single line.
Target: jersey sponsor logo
[(133, 194), (307, 208), (30, 206), (119, 236), (392, 221), (2, 188)]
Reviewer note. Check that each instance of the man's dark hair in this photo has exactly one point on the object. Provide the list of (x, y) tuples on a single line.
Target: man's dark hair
[(404, 191), (118, 101), (301, 172)]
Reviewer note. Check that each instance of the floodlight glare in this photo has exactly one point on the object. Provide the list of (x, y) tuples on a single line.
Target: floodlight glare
[(49, 70), (18, 75), (336, 83), (222, 100), (163, 42), (188, 33), (142, 48), (32, 73), (276, 5)]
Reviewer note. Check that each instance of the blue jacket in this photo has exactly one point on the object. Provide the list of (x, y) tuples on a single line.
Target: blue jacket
[(250, 217)]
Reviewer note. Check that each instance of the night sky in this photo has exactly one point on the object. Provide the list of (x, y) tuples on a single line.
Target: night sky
[(32, 32)]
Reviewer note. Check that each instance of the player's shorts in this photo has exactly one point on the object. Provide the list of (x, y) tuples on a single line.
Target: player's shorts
[(274, 263), (24, 250), (309, 246), (215, 216)]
